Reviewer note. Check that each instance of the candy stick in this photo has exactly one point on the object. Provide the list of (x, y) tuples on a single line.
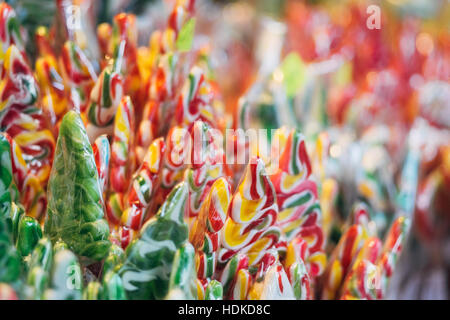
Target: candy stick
[(204, 234), (10, 30), (182, 277), (143, 185), (75, 212), (102, 153), (78, 73), (230, 275), (393, 246), (361, 268), (124, 33), (299, 279), (252, 213), (105, 98), (297, 198), (341, 260), (19, 116), (146, 270), (275, 286), (32, 195), (361, 282), (195, 100), (122, 158), (112, 287), (66, 278), (53, 96)]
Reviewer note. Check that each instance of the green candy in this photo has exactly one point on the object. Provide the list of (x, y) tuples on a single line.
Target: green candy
[(146, 270), (37, 281), (9, 257), (75, 204), (112, 287), (16, 214), (28, 235), (39, 264), (92, 291), (66, 278), (214, 291), (114, 260), (183, 276)]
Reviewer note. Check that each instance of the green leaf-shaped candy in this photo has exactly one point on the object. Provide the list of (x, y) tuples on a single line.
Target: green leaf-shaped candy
[(75, 204), (146, 270)]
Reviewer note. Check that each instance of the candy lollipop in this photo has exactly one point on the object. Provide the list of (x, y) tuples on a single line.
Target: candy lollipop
[(143, 185), (356, 282), (19, 116), (10, 30), (204, 234), (275, 286), (78, 73), (29, 233), (122, 157), (124, 33), (105, 98), (146, 270), (252, 214), (235, 277), (75, 212), (32, 195), (393, 246), (102, 153), (341, 260), (297, 199), (51, 84)]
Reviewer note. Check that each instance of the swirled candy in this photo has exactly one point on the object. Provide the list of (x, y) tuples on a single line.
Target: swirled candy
[(250, 225), (53, 96), (75, 212), (195, 100), (20, 117), (363, 266), (182, 277), (39, 266), (102, 155), (275, 286), (143, 185), (104, 99), (298, 202), (122, 156), (32, 195), (231, 274), (214, 290), (10, 29), (92, 291), (341, 260), (78, 73), (146, 270), (393, 246)]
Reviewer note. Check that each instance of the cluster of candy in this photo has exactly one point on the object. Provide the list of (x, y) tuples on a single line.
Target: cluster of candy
[(137, 200)]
